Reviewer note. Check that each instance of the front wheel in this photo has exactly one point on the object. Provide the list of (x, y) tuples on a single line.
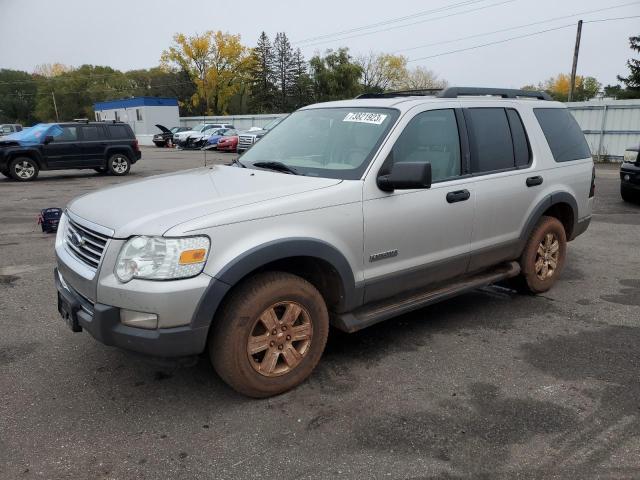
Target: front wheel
[(119, 164), (269, 335), (629, 195), (544, 255), (23, 169)]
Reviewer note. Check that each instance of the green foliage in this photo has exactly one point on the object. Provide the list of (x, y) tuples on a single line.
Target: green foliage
[(335, 76), (631, 81), (17, 97)]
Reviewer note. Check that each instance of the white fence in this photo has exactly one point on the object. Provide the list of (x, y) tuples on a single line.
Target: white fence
[(610, 126), (241, 122)]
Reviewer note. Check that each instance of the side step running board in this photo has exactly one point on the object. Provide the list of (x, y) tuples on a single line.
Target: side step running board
[(377, 312)]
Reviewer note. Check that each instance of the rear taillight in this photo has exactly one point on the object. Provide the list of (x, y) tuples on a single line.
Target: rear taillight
[(135, 146), (592, 190)]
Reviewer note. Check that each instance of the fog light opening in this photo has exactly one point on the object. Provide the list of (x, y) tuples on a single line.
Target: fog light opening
[(132, 318)]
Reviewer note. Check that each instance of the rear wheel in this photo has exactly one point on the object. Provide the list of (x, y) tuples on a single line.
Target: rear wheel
[(544, 255), (270, 334), (23, 169), (119, 164)]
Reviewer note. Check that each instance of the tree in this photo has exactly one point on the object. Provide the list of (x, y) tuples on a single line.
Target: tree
[(302, 89), (17, 97), (382, 71), (262, 76), (217, 63), (631, 81), (421, 78), (284, 68), (335, 76), (49, 70), (558, 87)]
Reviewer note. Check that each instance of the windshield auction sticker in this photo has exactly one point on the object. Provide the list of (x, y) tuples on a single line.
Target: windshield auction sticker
[(365, 117)]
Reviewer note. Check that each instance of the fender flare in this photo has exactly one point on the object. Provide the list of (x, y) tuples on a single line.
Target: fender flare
[(26, 152), (237, 269), (119, 149), (546, 203)]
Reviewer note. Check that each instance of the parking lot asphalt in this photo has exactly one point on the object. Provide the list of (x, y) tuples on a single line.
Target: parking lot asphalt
[(490, 385)]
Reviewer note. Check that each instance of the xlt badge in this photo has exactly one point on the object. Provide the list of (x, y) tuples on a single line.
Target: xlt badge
[(382, 255)]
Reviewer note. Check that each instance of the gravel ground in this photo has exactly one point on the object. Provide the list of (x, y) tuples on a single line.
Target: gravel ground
[(488, 385)]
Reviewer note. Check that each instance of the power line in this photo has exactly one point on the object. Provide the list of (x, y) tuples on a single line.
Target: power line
[(514, 28), (395, 27), (386, 22), (474, 47), (106, 90)]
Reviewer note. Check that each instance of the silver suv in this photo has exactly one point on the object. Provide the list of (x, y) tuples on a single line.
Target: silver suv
[(357, 211)]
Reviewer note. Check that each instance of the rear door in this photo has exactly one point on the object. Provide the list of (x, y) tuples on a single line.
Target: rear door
[(93, 145), (64, 150), (501, 163)]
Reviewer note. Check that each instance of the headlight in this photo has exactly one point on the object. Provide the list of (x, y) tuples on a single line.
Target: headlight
[(159, 258), (62, 230)]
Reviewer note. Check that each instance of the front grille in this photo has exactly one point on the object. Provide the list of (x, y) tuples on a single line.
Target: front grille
[(85, 244), (245, 141)]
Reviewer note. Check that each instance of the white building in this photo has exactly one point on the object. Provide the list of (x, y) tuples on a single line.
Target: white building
[(142, 113)]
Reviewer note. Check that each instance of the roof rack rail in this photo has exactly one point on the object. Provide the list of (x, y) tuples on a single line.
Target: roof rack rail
[(402, 93), (81, 120), (454, 92)]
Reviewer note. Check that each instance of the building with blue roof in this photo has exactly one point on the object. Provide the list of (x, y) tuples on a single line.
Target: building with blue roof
[(142, 113)]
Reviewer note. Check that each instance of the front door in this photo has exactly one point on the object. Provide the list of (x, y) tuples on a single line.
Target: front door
[(64, 150), (415, 238)]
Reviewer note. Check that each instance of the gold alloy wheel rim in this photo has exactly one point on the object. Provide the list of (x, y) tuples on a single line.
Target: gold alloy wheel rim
[(547, 256), (280, 339)]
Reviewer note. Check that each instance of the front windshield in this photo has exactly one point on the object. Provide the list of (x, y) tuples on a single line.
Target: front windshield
[(325, 142), (35, 134)]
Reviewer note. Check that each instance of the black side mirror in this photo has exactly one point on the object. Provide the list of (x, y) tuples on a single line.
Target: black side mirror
[(406, 176), (48, 139)]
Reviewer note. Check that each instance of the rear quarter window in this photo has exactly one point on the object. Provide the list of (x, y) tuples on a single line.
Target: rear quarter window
[(120, 132), (563, 134)]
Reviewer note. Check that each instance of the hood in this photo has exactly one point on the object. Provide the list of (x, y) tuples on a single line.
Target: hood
[(153, 205), (162, 128)]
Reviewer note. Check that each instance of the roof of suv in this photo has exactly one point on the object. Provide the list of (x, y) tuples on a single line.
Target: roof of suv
[(406, 100)]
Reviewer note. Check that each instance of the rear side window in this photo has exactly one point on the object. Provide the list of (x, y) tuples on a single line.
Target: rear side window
[(119, 132), (489, 139), (521, 150), (563, 134), (92, 133)]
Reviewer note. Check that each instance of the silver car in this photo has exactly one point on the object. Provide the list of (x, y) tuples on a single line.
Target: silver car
[(351, 213)]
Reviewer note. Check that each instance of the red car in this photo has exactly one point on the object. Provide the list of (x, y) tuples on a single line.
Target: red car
[(228, 144)]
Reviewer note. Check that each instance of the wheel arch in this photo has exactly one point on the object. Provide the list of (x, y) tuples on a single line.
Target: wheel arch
[(316, 261), (32, 154), (561, 205)]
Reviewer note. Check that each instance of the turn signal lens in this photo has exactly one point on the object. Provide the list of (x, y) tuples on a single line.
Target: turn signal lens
[(189, 257)]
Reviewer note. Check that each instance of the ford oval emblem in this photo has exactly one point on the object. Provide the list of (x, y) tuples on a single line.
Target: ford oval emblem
[(76, 239)]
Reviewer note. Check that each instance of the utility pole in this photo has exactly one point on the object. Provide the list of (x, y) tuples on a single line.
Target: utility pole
[(575, 61), (55, 107)]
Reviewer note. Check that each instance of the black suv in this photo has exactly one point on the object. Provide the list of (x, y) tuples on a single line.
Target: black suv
[(630, 175), (104, 147)]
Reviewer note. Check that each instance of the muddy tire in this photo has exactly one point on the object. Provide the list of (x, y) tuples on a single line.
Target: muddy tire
[(543, 257), (269, 335), (23, 169)]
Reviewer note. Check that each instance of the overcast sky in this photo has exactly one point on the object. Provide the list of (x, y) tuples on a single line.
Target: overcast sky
[(131, 34)]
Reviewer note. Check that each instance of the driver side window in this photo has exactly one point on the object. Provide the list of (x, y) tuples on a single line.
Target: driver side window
[(431, 136), (65, 134)]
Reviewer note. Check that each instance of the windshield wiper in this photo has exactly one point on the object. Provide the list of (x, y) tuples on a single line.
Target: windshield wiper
[(239, 163), (278, 167)]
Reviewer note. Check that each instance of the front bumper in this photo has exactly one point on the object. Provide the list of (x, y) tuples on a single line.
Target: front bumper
[(103, 323)]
